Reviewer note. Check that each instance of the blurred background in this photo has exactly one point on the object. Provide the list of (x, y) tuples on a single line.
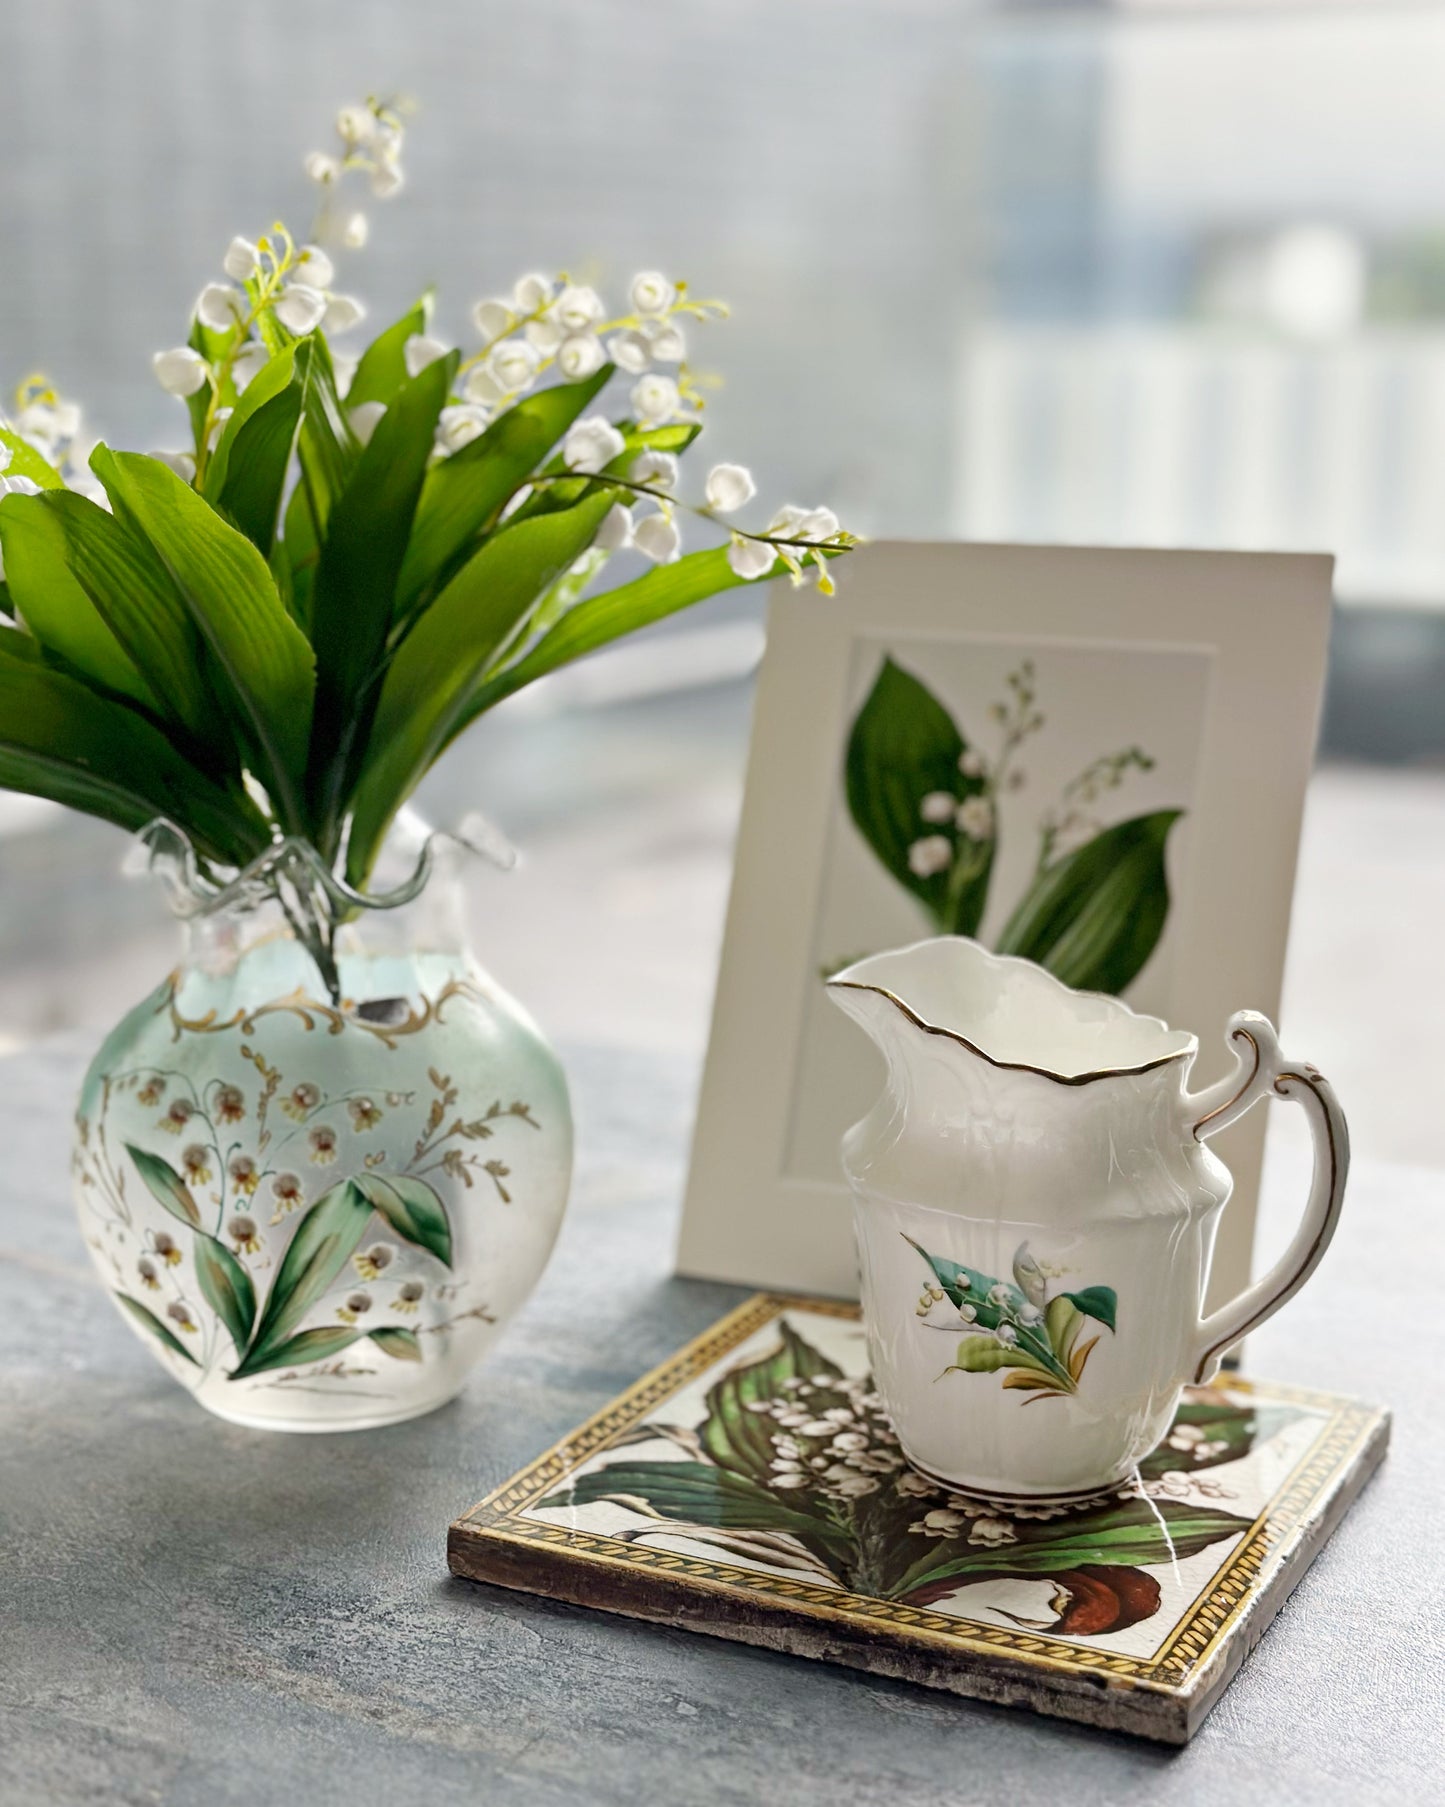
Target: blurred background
[(1140, 272)]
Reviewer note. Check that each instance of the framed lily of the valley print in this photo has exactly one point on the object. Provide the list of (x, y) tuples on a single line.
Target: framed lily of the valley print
[(1094, 759)]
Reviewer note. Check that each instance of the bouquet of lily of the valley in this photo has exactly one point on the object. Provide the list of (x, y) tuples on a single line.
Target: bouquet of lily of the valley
[(267, 639)]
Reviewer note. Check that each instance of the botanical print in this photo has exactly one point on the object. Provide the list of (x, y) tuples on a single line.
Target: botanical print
[(794, 1469), (930, 804), (268, 1234), (1015, 1326)]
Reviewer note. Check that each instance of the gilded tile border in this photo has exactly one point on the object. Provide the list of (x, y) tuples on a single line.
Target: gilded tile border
[(1348, 1424)]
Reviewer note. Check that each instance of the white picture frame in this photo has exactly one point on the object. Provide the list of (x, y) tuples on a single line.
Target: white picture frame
[(1234, 644)]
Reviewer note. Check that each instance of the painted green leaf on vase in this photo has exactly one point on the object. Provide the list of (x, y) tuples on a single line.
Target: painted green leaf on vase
[(165, 1185), (295, 1352), (1098, 1302), (399, 1343), (151, 1323), (227, 1288), (413, 1208), (1094, 917), (324, 1241)]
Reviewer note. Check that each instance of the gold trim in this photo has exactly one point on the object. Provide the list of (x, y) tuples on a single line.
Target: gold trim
[(1230, 1103), (1015, 1066), (1172, 1670), (310, 1011)]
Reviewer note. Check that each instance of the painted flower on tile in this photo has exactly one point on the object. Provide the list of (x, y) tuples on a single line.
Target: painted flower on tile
[(302, 1100), (323, 1145)]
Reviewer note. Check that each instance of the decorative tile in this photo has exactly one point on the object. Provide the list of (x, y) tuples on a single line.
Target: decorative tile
[(752, 1488)]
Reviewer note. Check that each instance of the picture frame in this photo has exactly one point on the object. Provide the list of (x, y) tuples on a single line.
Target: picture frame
[(1209, 666)]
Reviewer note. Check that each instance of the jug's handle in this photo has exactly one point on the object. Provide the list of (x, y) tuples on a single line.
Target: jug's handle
[(1260, 1071)]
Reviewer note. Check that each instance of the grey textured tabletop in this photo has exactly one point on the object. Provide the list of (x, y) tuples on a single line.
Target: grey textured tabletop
[(193, 1613)]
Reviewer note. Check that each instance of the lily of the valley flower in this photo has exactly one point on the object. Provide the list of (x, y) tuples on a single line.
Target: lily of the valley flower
[(657, 538), (615, 533), (938, 807), (580, 356), (220, 306), (421, 350), (180, 371), (460, 425), (729, 488), (364, 417), (652, 293), (493, 319), (578, 308), (657, 470), (667, 343), (591, 443), (242, 260), (655, 399), (531, 293), (342, 313), (630, 351), (975, 818), (749, 559), (300, 308), (514, 363), (354, 231), (248, 364)]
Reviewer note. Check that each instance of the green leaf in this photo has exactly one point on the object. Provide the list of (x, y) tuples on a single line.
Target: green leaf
[(7, 601), (166, 1185), (308, 1346), (25, 461), (598, 620), (1097, 1302), (58, 739), (246, 476), (351, 601), (982, 1355), (382, 369), (295, 557), (262, 664), (401, 1345), (36, 532), (695, 1494), (149, 1321), (227, 1288), (1094, 917), (438, 664), (412, 1208), (16, 644), (904, 745), (325, 1240), (465, 493), (328, 447), (738, 1438)]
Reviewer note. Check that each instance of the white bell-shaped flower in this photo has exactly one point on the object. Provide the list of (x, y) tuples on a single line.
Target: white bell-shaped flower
[(322, 168), (817, 524), (354, 231), (314, 267), (615, 533), (577, 308), (591, 443), (248, 363), (343, 312), (344, 364), (658, 470), (364, 417), (630, 351), (531, 293), (652, 293), (493, 319), (180, 371), (514, 363), (729, 488), (459, 425), (242, 260), (421, 350), (750, 558), (356, 124), (545, 334), (656, 537), (668, 344), (219, 306), (655, 399), (19, 486), (580, 355), (300, 308), (482, 387)]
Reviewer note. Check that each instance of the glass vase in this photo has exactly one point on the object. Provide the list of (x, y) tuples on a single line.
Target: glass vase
[(324, 1162)]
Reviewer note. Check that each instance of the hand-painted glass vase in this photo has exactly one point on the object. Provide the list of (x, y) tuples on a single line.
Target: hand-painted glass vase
[(318, 1196)]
